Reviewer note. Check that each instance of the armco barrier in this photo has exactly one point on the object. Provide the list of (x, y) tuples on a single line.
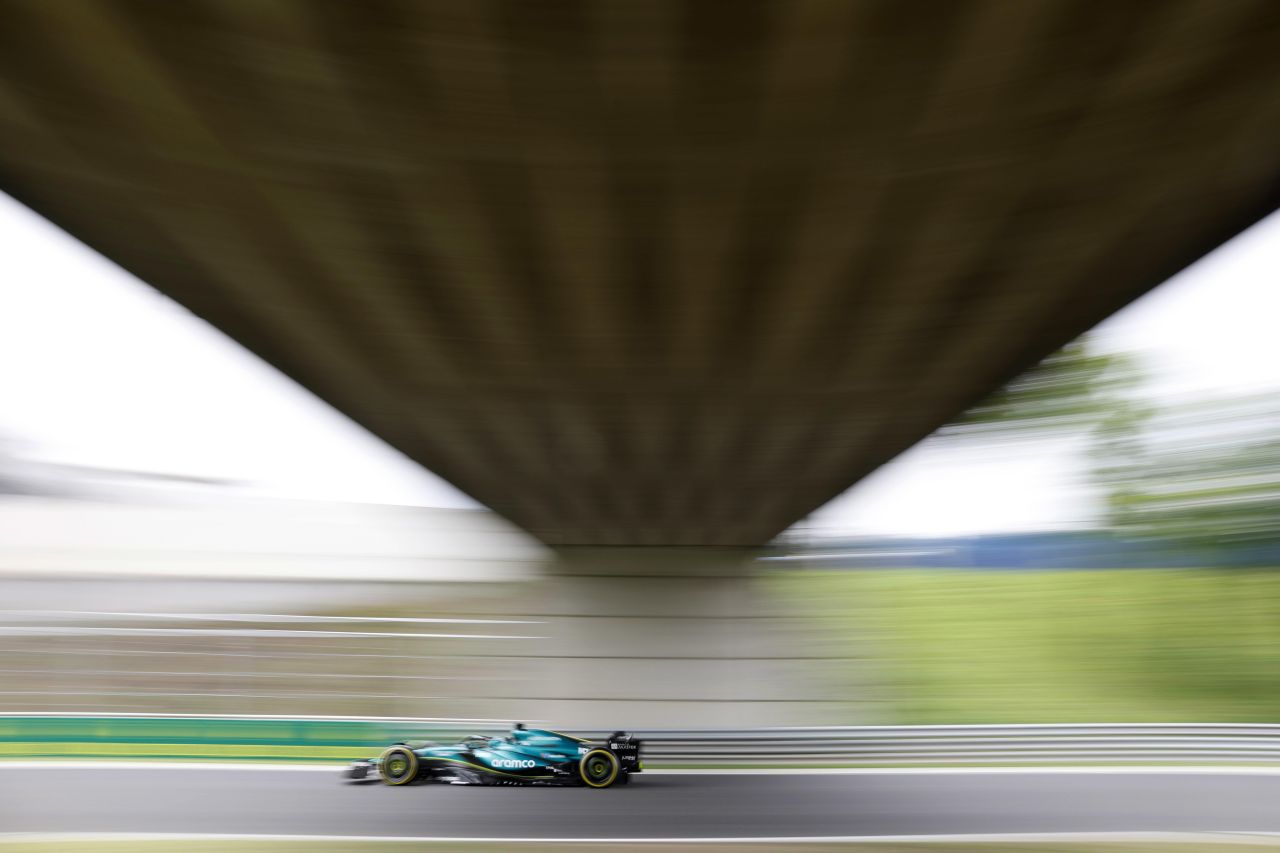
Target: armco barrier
[(229, 737), (337, 739)]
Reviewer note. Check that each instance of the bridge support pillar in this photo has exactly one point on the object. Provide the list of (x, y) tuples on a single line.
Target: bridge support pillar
[(671, 637)]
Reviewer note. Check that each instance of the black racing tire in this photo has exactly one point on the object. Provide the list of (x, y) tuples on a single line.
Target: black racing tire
[(399, 766), (599, 768)]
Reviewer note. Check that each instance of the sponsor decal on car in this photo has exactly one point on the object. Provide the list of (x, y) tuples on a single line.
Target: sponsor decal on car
[(514, 763)]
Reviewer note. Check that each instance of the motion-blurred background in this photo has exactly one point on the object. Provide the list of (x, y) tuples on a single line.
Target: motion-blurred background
[(195, 535), (652, 285)]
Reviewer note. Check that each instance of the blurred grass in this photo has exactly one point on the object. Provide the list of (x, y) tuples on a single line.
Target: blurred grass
[(972, 646)]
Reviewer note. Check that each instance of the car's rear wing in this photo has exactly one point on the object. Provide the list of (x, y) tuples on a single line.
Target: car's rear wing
[(627, 748)]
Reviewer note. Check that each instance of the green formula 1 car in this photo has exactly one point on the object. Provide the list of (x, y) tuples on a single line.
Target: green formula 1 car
[(523, 757)]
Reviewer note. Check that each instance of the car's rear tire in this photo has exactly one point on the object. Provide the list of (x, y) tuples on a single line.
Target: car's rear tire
[(399, 766), (599, 768)]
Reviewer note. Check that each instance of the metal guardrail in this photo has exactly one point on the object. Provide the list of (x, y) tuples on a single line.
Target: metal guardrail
[(970, 744), (337, 738)]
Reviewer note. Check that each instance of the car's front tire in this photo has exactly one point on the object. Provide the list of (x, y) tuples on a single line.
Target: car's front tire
[(599, 768), (399, 766)]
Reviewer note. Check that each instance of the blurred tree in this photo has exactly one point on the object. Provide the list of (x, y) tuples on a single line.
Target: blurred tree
[(1069, 393), (1204, 475)]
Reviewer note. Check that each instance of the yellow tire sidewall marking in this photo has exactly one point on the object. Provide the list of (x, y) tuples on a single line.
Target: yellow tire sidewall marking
[(413, 766), (613, 760)]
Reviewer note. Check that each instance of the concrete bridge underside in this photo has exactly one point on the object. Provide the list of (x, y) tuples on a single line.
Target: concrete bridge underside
[(648, 273), (652, 272)]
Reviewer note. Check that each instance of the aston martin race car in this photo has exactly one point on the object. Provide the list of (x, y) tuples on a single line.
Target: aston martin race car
[(523, 757)]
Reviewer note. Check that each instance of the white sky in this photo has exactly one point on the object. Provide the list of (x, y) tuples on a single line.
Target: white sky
[(1212, 329), (99, 369)]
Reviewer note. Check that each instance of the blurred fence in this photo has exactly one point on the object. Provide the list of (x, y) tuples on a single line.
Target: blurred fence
[(456, 651), (973, 744), (221, 664), (334, 739)]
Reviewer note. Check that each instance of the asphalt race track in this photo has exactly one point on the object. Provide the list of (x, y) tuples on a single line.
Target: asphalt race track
[(307, 802)]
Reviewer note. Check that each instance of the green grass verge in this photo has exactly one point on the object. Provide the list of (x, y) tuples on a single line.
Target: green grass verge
[(961, 646)]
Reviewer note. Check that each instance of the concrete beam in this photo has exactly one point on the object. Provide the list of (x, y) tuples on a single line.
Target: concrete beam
[(673, 637), (654, 272)]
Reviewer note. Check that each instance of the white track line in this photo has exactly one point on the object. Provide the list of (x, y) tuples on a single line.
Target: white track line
[(333, 767), (49, 631), (258, 617), (294, 718), (1216, 770), (160, 766), (1243, 838)]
